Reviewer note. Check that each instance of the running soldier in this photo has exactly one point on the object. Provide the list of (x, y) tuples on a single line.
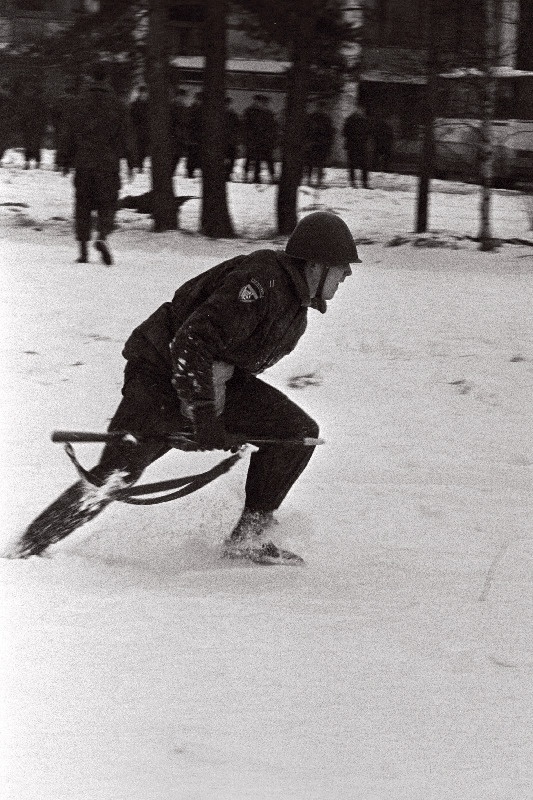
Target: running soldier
[(193, 365)]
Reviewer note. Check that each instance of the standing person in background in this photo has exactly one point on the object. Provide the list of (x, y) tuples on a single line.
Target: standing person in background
[(95, 138), (140, 121), (250, 135), (194, 135), (7, 119), (232, 133), (178, 127), (32, 118), (356, 132), (260, 136), (59, 112), (319, 140)]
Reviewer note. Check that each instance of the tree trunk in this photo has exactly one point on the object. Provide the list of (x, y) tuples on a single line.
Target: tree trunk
[(164, 212), (294, 126), (426, 170), (486, 240), (216, 221), (427, 158)]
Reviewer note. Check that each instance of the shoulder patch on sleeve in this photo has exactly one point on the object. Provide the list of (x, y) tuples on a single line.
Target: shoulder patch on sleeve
[(251, 292)]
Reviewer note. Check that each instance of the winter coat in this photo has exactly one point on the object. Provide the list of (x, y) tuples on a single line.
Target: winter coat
[(178, 124), (32, 115), (60, 112), (96, 135), (139, 117), (320, 132), (194, 123), (356, 131), (248, 312), (232, 128), (7, 121), (260, 128)]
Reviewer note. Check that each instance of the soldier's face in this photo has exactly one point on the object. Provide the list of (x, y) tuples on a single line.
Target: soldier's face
[(334, 278)]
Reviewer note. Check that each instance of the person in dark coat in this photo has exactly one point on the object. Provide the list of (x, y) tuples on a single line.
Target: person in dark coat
[(95, 138), (32, 115), (232, 135), (192, 367), (194, 135), (320, 134), (356, 132), (178, 127), (140, 122), (7, 119), (60, 111), (260, 129)]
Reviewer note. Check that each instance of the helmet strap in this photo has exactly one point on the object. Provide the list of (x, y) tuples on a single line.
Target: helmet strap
[(321, 283), (318, 301)]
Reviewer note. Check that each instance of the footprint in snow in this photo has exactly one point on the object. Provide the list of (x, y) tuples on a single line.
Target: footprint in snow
[(462, 386), (301, 381)]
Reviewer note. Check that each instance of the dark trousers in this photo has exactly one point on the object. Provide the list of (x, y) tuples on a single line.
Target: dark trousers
[(194, 159), (32, 153), (254, 160), (143, 149), (150, 407), (229, 160), (95, 191), (315, 163), (357, 161)]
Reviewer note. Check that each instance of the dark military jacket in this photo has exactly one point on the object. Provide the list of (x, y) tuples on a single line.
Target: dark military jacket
[(194, 123), (320, 131), (178, 123), (356, 130), (139, 116), (96, 134), (232, 128), (260, 128), (248, 312)]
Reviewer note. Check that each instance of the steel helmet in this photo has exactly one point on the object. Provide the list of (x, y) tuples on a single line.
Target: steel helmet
[(323, 238)]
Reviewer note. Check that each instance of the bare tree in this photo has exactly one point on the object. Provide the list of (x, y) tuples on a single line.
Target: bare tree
[(488, 88), (293, 135), (312, 34), (427, 161), (215, 218), (157, 58), (462, 36)]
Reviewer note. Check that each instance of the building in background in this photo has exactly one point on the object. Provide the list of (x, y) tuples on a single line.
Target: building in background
[(393, 77), (23, 20), (251, 67), (254, 68), (386, 74)]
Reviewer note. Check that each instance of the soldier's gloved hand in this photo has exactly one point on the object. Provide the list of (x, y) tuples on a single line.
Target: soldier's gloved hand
[(210, 434)]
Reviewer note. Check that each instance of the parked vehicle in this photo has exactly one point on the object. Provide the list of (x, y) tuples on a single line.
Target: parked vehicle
[(457, 128), (457, 131)]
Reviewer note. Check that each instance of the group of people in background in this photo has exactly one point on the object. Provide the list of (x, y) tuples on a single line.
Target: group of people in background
[(24, 115), (254, 135), (367, 142), (256, 132), (93, 130)]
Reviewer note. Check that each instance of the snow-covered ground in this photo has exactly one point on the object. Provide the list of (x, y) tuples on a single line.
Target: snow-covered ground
[(398, 664)]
